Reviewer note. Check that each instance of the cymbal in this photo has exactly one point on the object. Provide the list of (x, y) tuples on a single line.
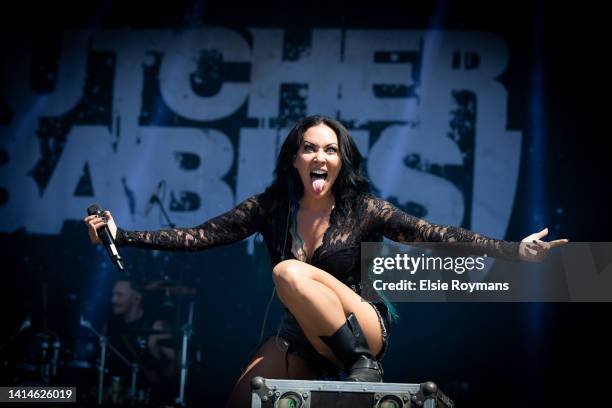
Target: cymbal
[(170, 288)]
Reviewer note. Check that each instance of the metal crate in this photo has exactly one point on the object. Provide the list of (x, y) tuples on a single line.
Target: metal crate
[(270, 393)]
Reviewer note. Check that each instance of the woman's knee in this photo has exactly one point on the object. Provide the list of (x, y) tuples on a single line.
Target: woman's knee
[(288, 275)]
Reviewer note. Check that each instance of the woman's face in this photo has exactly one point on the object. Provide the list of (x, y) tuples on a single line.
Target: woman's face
[(318, 160)]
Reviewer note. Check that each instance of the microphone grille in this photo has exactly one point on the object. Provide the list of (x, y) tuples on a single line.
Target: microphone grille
[(93, 209)]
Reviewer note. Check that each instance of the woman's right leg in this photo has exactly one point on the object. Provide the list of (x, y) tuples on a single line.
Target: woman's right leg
[(268, 362)]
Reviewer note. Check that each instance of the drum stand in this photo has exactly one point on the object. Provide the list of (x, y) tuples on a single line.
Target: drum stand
[(187, 330), (48, 367), (103, 344)]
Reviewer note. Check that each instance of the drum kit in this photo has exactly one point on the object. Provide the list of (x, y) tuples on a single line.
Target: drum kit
[(43, 358)]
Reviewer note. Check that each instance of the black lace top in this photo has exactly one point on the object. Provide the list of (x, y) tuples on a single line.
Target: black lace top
[(368, 220)]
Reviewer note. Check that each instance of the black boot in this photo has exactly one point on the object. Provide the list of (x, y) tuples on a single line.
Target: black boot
[(350, 346)]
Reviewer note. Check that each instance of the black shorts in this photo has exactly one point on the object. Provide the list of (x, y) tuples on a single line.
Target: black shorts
[(295, 342)]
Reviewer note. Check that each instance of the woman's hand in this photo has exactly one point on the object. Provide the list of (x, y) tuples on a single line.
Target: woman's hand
[(533, 249), (95, 222)]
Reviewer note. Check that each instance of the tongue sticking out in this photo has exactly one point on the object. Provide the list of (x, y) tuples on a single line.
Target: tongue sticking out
[(317, 185)]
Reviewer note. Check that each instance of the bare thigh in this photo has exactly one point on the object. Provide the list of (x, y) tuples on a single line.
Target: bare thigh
[(289, 273), (268, 362)]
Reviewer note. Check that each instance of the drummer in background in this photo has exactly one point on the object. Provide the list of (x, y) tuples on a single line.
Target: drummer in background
[(130, 331)]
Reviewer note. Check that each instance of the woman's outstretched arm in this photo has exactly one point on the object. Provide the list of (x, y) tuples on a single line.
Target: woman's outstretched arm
[(238, 223), (399, 226)]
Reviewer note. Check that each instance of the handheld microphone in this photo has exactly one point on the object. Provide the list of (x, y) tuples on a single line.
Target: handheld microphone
[(154, 198), (107, 238)]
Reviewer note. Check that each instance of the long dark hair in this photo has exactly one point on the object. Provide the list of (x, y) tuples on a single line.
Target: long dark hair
[(350, 181)]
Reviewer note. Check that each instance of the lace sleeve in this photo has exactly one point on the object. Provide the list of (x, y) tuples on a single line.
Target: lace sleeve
[(399, 226), (232, 226)]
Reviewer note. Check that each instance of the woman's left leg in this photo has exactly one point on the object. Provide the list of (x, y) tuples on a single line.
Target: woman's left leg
[(268, 362), (321, 304)]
